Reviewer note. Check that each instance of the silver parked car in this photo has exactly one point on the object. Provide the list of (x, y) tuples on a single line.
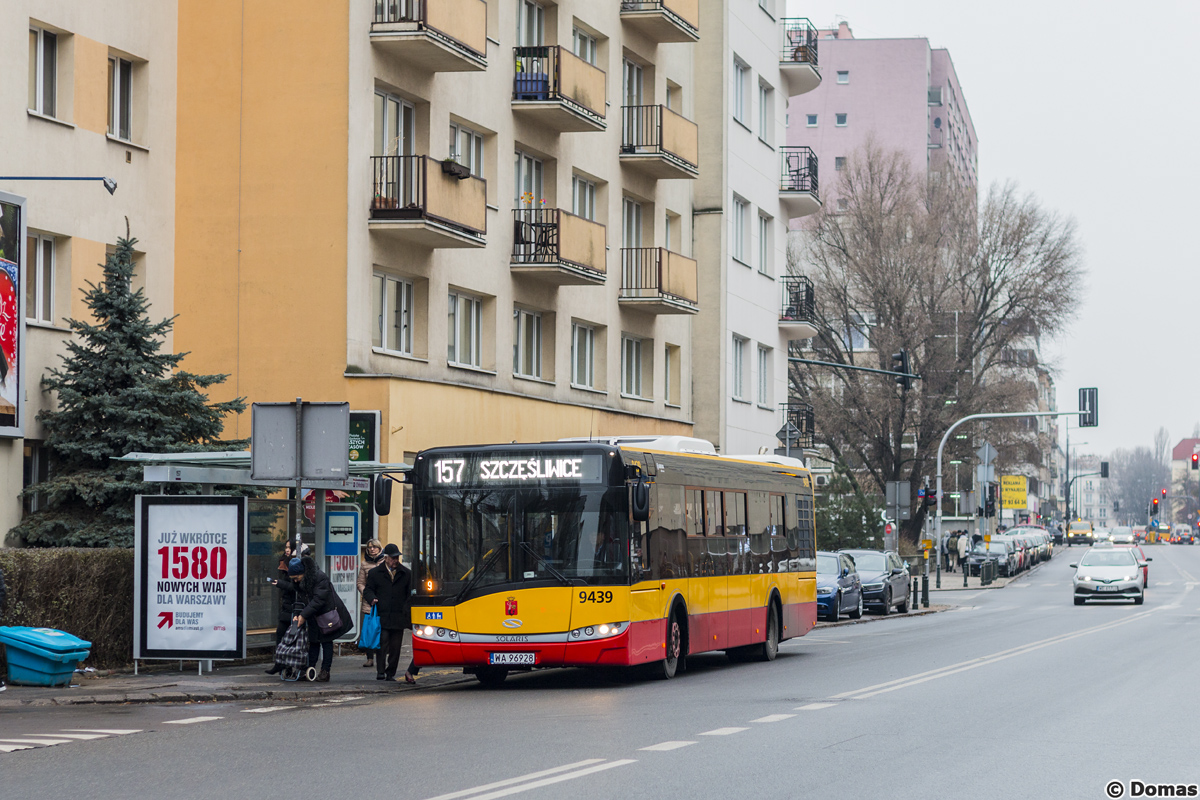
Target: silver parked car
[(1108, 573)]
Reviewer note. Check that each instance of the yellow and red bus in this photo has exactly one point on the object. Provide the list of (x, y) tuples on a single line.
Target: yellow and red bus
[(620, 552)]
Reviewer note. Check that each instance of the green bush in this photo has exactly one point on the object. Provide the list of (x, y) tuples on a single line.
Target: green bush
[(85, 592)]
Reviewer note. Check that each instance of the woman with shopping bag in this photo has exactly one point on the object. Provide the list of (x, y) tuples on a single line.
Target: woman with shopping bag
[(371, 555), (323, 613)]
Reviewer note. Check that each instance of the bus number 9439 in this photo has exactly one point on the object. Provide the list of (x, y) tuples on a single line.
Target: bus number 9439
[(595, 597)]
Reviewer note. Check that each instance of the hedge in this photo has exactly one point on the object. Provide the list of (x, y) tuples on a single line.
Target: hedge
[(86, 592)]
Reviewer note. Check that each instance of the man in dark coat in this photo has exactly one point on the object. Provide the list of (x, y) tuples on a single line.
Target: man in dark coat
[(315, 591), (388, 590)]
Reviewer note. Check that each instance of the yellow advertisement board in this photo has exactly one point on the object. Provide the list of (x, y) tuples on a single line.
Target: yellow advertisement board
[(1013, 491)]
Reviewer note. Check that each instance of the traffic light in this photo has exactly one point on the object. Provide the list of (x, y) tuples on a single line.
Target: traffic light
[(1195, 460), (1164, 491), (900, 364), (1154, 510), (990, 509), (1103, 469)]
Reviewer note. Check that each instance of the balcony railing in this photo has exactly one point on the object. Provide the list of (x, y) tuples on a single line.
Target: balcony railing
[(659, 17), (659, 131), (550, 73), (657, 274), (799, 44), (798, 170), (799, 425), (416, 188), (799, 300), (554, 238), (460, 25)]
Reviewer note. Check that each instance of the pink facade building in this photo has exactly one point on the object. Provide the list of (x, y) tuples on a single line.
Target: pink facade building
[(902, 92)]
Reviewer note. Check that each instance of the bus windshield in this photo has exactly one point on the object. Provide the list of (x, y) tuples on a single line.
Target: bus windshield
[(479, 538)]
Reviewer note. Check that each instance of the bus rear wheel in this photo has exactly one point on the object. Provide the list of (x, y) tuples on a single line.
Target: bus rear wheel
[(666, 669), (770, 648), (491, 677)]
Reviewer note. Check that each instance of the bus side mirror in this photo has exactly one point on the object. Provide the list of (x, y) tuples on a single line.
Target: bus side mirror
[(639, 501), (381, 494)]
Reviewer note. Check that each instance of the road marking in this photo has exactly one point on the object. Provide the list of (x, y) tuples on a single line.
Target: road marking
[(774, 718), (1163, 583), (524, 787), (265, 710), (511, 781), (723, 731), (1020, 585), (81, 736), (664, 746), (190, 720), (8, 748), (341, 699), (1052, 583), (962, 666), (814, 706), (113, 731), (41, 740)]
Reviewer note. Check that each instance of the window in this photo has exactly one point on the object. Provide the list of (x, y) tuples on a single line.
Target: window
[(584, 45), (741, 214), (857, 335), (531, 24), (39, 290), (528, 173), (843, 204), (764, 244), (120, 102), (764, 376), (674, 97), (583, 198), (839, 163), (43, 71), (673, 374), (631, 229), (395, 121), (739, 368), (811, 120), (741, 91), (464, 327), (631, 366), (843, 76), (840, 120), (766, 100), (393, 299), (527, 343), (466, 147), (583, 355)]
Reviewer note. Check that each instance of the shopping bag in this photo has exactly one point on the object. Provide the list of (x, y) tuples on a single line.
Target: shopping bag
[(292, 650), (369, 638)]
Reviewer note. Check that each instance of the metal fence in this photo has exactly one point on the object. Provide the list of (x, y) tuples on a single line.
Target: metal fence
[(798, 169), (535, 236), (799, 41), (799, 299), (398, 186), (399, 11)]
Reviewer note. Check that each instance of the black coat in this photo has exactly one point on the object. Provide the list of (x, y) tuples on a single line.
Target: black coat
[(391, 595), (287, 593), (316, 592)]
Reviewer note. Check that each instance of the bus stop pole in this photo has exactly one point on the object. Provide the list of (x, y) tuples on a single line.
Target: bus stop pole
[(299, 489)]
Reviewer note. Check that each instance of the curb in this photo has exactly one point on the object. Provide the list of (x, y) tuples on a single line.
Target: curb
[(924, 612)]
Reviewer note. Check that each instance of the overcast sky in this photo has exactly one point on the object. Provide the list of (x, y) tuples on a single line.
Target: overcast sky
[(1092, 107)]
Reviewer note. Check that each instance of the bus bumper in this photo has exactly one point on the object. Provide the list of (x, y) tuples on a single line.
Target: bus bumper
[(613, 651)]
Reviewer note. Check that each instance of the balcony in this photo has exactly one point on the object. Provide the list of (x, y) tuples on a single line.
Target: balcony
[(799, 428), (798, 55), (657, 281), (434, 35), (798, 181), (559, 248), (662, 21), (558, 89), (416, 201), (798, 316), (658, 142)]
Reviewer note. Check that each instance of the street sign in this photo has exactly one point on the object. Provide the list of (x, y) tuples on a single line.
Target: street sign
[(987, 539), (926, 544), (986, 454), (1014, 491), (342, 522), (887, 529), (897, 497), (324, 431), (189, 596), (1089, 413)]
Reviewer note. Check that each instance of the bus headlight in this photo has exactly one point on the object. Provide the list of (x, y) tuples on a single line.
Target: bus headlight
[(430, 632), (594, 632)]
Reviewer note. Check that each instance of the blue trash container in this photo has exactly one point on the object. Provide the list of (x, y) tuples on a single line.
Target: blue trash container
[(42, 656)]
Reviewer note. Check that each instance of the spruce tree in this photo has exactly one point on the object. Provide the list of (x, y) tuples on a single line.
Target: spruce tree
[(117, 394)]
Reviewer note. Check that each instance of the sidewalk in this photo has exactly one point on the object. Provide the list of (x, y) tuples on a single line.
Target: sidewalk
[(224, 684)]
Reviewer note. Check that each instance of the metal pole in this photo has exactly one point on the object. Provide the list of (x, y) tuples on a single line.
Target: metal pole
[(299, 487)]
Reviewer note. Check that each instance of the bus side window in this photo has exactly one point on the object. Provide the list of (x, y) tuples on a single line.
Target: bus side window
[(791, 526), (735, 513), (758, 522), (714, 524), (807, 533), (694, 510)]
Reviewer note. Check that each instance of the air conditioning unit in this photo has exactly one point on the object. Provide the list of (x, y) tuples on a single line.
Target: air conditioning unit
[(822, 480)]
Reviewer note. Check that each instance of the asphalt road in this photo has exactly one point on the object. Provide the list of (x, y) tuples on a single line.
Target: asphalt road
[(1015, 693)]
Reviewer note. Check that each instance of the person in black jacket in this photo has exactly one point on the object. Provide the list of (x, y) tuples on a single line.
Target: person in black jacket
[(388, 590), (315, 591), (287, 601)]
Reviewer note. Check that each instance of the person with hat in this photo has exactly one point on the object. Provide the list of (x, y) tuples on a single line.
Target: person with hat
[(371, 558), (315, 592), (388, 589)]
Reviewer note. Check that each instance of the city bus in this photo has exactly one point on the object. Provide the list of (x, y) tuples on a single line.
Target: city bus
[(604, 553)]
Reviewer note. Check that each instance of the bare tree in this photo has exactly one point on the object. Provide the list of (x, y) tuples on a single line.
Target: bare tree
[(1136, 476), (1162, 443), (917, 264)]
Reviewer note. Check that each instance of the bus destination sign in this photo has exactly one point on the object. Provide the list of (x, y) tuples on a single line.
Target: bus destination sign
[(520, 469)]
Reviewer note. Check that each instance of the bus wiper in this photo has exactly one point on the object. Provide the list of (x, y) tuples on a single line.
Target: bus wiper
[(481, 572), (549, 568)]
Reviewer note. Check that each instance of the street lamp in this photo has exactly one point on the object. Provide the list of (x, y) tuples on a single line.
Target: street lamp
[(109, 183)]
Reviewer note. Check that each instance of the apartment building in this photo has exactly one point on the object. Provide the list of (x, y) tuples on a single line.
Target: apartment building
[(474, 217), (750, 60), (1091, 494), (90, 94), (901, 93)]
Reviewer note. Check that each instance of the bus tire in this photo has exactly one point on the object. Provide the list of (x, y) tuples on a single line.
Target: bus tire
[(491, 677), (770, 648), (666, 669)]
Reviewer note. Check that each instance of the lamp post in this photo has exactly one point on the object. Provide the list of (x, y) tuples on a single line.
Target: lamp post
[(109, 183)]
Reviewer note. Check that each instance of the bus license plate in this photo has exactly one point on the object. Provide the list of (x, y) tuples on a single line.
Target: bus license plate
[(512, 658)]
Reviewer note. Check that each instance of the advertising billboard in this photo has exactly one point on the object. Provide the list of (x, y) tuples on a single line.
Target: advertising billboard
[(1013, 491), (12, 314)]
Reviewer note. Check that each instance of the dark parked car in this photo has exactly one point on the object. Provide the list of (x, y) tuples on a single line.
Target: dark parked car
[(1000, 552), (838, 587), (885, 579)]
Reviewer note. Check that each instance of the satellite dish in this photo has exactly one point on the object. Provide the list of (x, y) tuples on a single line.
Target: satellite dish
[(937, 122)]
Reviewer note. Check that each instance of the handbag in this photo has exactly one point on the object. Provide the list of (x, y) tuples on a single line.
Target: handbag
[(369, 638), (329, 622)]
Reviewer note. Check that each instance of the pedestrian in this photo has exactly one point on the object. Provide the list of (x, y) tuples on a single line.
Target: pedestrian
[(370, 560), (389, 589), (963, 544), (287, 600), (315, 591), (3, 600)]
